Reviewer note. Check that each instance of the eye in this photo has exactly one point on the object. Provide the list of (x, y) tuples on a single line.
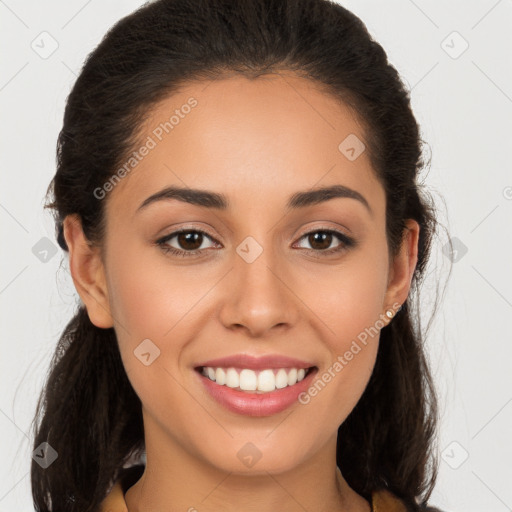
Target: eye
[(321, 240), (189, 242)]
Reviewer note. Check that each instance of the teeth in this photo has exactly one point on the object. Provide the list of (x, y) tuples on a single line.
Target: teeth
[(281, 379), (232, 378), (262, 381), (220, 376), (266, 381)]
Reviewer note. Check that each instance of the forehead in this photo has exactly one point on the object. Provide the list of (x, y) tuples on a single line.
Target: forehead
[(261, 138)]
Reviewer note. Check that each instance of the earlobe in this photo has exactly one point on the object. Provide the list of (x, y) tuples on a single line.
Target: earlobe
[(88, 273), (403, 266)]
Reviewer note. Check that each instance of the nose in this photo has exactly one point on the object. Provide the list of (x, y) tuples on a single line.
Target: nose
[(260, 296)]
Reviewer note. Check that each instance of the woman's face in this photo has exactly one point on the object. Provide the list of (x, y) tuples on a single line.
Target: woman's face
[(266, 278)]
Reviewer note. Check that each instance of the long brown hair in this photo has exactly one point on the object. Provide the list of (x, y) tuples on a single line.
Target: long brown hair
[(88, 411)]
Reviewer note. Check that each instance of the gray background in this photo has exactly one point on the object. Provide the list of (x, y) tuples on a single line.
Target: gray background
[(463, 101)]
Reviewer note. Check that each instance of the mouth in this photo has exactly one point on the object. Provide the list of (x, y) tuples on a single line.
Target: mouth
[(251, 381), (255, 392)]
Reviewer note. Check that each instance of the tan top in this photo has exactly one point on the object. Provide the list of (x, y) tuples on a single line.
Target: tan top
[(382, 501)]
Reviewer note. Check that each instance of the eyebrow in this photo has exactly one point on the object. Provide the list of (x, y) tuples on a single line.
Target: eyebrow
[(219, 201)]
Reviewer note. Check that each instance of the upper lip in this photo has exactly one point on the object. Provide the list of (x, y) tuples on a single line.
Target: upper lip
[(256, 363)]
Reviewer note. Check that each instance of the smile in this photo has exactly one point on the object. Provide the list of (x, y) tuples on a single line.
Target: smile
[(260, 381), (270, 390)]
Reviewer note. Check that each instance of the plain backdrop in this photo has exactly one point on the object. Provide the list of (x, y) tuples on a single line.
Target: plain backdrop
[(455, 57)]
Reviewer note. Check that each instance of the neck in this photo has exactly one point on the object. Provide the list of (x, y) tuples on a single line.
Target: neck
[(192, 484)]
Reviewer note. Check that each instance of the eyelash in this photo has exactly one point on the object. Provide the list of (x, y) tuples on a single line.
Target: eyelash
[(346, 242)]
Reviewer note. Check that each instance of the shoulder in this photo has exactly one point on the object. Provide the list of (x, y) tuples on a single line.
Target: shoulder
[(114, 500), (384, 500)]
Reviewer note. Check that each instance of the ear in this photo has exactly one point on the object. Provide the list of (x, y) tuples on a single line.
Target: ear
[(403, 266), (88, 272)]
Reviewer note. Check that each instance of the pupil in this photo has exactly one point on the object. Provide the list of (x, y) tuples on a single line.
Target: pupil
[(184, 239), (323, 235)]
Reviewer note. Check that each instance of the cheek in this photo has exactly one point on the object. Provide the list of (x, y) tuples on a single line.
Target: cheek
[(348, 298), (348, 303), (149, 304), (145, 304), (154, 299), (147, 294)]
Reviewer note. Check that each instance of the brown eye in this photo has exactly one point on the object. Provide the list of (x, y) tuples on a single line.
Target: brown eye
[(321, 240), (188, 242)]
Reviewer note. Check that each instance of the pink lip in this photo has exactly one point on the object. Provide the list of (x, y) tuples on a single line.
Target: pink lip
[(256, 363), (254, 404)]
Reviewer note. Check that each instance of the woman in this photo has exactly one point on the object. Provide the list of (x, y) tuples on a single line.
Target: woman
[(237, 191)]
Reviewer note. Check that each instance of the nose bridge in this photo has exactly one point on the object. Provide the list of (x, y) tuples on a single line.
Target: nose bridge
[(259, 297)]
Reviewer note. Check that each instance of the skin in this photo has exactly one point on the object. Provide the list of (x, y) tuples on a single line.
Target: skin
[(257, 142)]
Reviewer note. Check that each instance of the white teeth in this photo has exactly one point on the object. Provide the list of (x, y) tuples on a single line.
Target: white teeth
[(232, 378), (248, 380), (281, 379), (266, 381), (262, 381), (220, 376), (292, 377)]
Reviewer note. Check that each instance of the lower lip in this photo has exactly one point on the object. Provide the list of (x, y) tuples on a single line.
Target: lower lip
[(257, 404)]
